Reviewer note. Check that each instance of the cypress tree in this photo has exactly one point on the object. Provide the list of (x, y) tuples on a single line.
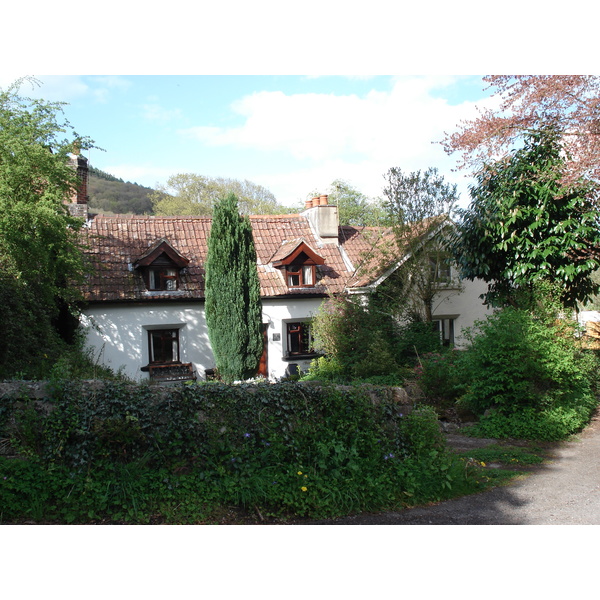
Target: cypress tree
[(232, 293)]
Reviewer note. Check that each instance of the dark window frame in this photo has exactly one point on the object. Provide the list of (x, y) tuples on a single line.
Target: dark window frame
[(299, 339), (165, 337)]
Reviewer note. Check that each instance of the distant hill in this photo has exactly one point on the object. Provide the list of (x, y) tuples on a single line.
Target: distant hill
[(111, 195)]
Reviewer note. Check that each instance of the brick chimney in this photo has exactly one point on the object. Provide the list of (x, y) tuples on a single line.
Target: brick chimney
[(323, 219), (79, 200)]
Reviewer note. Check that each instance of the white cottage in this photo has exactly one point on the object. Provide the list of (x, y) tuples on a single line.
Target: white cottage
[(144, 310)]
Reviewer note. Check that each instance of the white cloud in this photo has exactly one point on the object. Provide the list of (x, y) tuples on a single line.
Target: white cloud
[(153, 111), (351, 137), (146, 175)]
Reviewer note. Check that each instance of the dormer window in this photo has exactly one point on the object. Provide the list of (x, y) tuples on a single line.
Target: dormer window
[(300, 275), (160, 267), (162, 279), (298, 263)]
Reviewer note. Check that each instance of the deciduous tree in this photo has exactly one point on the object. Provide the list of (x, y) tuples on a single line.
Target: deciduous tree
[(354, 208), (232, 293), (524, 225), (419, 204), (192, 194), (39, 241), (570, 104)]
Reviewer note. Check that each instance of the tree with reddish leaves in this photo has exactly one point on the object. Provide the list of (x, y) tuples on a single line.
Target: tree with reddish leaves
[(568, 104)]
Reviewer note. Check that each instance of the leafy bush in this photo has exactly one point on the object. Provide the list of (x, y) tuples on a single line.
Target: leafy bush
[(415, 339), (527, 377), (438, 377), (124, 452)]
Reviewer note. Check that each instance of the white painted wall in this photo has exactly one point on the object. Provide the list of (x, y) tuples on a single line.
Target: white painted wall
[(277, 313), (118, 333), (464, 306)]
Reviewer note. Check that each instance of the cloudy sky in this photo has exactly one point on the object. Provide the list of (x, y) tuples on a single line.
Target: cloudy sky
[(284, 98), (292, 134)]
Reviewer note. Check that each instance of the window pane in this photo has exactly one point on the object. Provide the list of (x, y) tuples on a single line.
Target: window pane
[(293, 276), (164, 346), (307, 275)]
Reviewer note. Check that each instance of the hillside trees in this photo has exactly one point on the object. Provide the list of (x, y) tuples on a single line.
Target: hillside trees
[(39, 249), (197, 195), (232, 293), (108, 194), (525, 226)]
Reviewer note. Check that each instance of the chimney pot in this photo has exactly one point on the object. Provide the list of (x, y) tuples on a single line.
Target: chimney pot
[(308, 203), (323, 200)]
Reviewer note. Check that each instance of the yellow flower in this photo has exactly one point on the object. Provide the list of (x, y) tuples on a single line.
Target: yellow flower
[(299, 472), (304, 488)]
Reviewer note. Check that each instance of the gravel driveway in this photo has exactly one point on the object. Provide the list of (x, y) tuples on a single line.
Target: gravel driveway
[(564, 491)]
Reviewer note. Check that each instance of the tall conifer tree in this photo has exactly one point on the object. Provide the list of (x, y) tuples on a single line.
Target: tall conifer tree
[(232, 293)]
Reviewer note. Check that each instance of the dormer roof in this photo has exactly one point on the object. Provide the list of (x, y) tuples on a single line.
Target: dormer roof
[(291, 250), (160, 247)]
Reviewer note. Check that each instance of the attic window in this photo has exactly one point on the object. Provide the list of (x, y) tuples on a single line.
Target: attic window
[(160, 267), (298, 263), (300, 275)]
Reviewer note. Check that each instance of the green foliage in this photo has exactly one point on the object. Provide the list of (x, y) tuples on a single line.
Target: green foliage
[(40, 257), (354, 208), (232, 294), (191, 194), (354, 340), (414, 339), (121, 452), (418, 204), (111, 195), (415, 197), (523, 226), (527, 377), (438, 377)]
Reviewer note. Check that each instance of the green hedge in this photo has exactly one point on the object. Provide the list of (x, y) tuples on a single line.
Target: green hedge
[(126, 452)]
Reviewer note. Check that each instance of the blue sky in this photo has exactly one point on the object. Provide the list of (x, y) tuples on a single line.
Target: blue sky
[(292, 134), (283, 96)]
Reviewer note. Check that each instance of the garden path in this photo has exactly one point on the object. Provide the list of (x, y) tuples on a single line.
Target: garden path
[(563, 491)]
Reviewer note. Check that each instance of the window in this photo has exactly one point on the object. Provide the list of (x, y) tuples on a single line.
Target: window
[(300, 275), (164, 279), (160, 267), (299, 339), (441, 270), (298, 263), (445, 327), (163, 346)]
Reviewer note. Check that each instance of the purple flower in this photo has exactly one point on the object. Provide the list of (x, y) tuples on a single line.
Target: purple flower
[(246, 435)]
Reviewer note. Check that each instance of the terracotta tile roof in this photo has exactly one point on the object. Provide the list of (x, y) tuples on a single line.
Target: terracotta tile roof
[(116, 242)]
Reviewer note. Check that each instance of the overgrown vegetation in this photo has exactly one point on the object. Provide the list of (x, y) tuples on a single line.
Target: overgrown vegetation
[(123, 453), (521, 376), (41, 263)]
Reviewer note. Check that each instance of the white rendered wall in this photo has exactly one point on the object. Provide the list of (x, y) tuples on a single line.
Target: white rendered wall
[(464, 306), (118, 334), (276, 314)]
